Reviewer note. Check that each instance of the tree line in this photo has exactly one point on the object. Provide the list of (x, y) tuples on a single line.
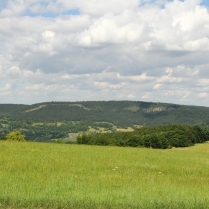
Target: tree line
[(161, 137)]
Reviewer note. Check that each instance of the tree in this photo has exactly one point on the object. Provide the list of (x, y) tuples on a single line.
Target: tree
[(83, 138), (155, 141), (15, 136)]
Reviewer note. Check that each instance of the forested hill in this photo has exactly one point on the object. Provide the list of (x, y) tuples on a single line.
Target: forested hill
[(120, 113)]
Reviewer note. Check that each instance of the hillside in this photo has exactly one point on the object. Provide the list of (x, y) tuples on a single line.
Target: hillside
[(121, 113), (52, 120)]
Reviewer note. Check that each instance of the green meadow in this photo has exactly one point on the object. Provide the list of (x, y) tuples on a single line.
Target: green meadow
[(38, 175)]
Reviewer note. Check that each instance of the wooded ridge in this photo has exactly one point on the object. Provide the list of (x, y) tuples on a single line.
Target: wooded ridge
[(121, 113), (52, 120)]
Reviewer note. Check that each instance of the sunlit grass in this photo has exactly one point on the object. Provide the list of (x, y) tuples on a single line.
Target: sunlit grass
[(128, 129), (36, 175)]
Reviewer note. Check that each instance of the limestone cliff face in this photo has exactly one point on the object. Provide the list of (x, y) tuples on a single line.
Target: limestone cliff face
[(79, 105), (154, 109), (133, 108), (35, 108)]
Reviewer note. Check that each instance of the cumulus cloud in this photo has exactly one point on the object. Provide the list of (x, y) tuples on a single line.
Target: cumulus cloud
[(95, 50)]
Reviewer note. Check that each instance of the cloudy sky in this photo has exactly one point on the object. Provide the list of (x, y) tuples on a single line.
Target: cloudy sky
[(141, 50)]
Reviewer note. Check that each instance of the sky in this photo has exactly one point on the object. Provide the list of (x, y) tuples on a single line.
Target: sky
[(98, 50)]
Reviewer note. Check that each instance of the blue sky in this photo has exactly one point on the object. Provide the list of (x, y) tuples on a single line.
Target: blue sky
[(3, 4), (205, 2), (50, 14), (28, 12), (75, 11)]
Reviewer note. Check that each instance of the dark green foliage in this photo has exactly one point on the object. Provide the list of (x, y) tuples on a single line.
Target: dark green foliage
[(43, 131), (155, 141), (160, 137), (78, 116), (135, 141), (83, 139), (120, 113)]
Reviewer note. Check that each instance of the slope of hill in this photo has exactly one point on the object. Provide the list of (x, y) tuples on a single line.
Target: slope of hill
[(121, 113), (60, 120)]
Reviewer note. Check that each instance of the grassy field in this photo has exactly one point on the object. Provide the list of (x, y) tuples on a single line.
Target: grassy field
[(37, 175)]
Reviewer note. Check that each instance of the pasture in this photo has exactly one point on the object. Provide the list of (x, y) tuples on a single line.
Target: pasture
[(41, 175)]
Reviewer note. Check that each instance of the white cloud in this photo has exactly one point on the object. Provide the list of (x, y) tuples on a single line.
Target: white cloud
[(203, 82), (13, 72), (14, 8), (157, 86), (203, 95), (7, 87), (137, 49)]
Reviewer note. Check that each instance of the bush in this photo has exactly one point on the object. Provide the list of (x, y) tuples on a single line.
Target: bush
[(15, 136)]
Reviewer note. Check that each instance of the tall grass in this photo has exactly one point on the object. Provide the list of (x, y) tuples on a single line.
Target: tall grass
[(36, 175)]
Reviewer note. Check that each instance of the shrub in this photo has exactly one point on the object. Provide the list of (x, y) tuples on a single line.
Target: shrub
[(15, 136)]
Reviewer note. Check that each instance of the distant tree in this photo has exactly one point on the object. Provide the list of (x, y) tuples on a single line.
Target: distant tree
[(147, 141), (15, 136), (83, 138), (135, 141)]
